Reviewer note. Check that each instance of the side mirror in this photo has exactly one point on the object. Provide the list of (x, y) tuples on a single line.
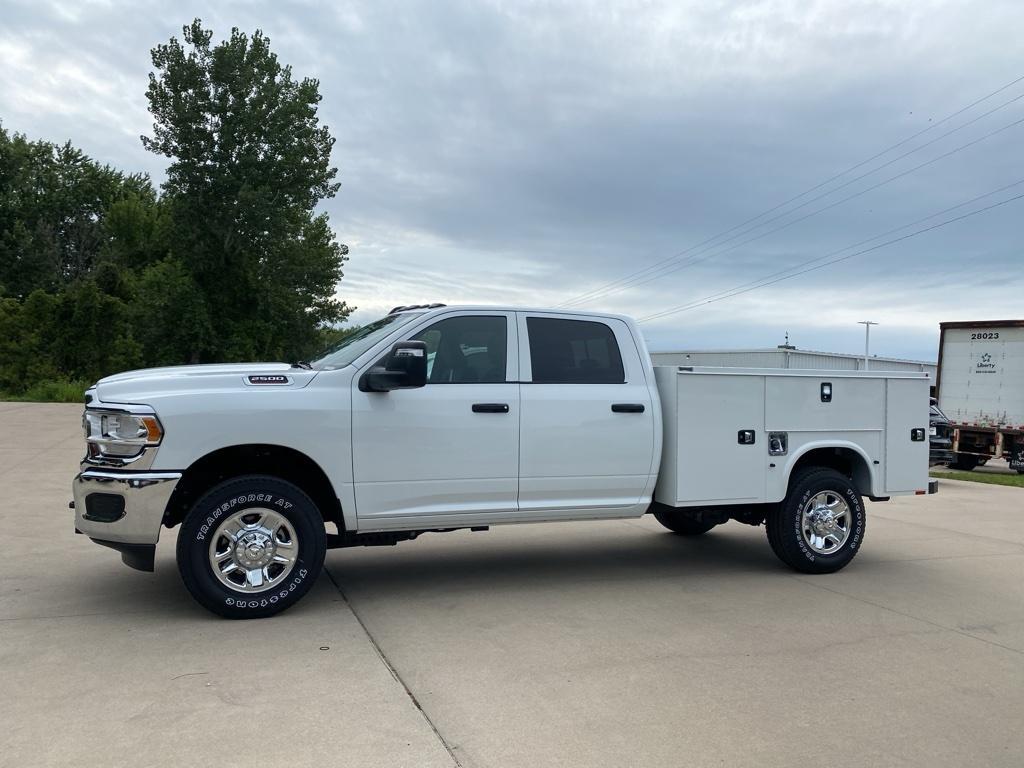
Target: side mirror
[(404, 368)]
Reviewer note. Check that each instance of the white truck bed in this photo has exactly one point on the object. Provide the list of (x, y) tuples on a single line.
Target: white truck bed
[(870, 413)]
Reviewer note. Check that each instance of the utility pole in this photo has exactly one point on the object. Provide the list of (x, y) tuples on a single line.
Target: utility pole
[(867, 339)]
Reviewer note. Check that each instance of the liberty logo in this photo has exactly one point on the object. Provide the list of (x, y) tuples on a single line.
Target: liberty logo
[(986, 365)]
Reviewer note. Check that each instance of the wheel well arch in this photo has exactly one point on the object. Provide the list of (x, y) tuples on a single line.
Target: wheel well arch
[(254, 459), (845, 459)]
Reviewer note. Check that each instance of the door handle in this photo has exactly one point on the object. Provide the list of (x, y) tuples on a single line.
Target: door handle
[(490, 407), (627, 407)]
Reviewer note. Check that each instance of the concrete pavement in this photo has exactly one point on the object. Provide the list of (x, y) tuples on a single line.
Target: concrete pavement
[(577, 644), (101, 665)]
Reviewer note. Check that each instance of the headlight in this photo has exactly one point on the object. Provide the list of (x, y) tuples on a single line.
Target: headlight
[(120, 434)]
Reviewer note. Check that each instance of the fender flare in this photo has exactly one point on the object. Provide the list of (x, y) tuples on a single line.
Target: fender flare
[(869, 464)]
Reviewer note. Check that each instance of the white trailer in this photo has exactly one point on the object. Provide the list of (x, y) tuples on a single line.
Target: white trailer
[(981, 389)]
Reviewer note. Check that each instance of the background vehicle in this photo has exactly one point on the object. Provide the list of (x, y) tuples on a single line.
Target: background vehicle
[(437, 418), (940, 436), (980, 386)]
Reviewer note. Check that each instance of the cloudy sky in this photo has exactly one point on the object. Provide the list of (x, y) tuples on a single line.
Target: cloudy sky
[(611, 153)]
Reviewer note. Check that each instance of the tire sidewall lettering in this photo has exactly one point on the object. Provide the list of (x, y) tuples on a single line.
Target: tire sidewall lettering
[(241, 495), (851, 544), (243, 500), (262, 600)]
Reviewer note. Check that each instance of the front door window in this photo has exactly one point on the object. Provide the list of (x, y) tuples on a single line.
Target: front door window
[(466, 350)]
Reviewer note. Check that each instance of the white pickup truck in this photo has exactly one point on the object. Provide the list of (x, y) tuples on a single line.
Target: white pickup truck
[(439, 418)]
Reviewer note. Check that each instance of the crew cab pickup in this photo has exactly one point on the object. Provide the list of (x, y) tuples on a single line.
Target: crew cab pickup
[(438, 418)]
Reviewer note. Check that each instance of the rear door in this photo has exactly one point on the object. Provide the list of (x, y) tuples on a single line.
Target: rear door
[(587, 422)]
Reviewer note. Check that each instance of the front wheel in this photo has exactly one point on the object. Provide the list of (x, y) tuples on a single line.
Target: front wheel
[(819, 526), (251, 547)]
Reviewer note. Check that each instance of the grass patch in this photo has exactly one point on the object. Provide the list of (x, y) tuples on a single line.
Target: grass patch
[(51, 392), (982, 477)]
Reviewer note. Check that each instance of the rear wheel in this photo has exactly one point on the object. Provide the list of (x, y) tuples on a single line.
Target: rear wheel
[(251, 547), (681, 521), (819, 526)]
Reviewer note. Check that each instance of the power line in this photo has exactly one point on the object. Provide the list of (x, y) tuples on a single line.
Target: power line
[(589, 294), (767, 282), (756, 282), (700, 257)]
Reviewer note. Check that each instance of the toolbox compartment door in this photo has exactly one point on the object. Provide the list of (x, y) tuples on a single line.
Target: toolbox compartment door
[(796, 403), (906, 460), (710, 463)]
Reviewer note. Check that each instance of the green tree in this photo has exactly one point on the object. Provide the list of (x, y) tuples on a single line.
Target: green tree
[(169, 314), (71, 233), (25, 350), (53, 212), (249, 164), (80, 332)]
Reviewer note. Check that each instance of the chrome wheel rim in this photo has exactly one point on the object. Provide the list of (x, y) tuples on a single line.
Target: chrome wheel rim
[(253, 550), (825, 522)]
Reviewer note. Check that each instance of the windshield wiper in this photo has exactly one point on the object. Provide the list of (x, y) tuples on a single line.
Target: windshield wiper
[(304, 364)]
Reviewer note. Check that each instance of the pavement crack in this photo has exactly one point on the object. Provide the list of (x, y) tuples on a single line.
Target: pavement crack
[(391, 668)]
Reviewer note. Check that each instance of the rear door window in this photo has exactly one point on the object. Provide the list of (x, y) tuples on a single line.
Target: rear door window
[(573, 352)]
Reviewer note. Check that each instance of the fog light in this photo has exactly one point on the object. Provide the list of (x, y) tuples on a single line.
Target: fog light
[(104, 507)]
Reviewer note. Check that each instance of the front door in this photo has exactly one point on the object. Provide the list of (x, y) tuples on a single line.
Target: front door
[(452, 446)]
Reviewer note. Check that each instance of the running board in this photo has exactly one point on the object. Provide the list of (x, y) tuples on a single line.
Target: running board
[(384, 538)]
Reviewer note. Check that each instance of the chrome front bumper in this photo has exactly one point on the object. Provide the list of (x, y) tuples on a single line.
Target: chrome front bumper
[(139, 497)]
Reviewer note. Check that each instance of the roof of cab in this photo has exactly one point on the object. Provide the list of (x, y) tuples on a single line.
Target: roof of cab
[(504, 308)]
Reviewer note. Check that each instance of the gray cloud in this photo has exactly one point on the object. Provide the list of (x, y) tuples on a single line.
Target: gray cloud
[(529, 152)]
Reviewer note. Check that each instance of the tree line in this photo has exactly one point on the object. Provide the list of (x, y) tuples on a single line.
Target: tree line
[(227, 260)]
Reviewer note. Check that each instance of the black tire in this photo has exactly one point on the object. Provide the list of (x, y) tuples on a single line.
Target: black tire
[(965, 462), (680, 521), (224, 502), (784, 522)]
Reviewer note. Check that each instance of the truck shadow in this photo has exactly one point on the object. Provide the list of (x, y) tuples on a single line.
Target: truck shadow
[(466, 563), (503, 561)]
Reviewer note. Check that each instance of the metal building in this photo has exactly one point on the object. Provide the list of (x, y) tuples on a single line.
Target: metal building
[(788, 357)]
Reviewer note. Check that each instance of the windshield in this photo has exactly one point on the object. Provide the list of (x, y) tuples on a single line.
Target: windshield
[(353, 345)]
